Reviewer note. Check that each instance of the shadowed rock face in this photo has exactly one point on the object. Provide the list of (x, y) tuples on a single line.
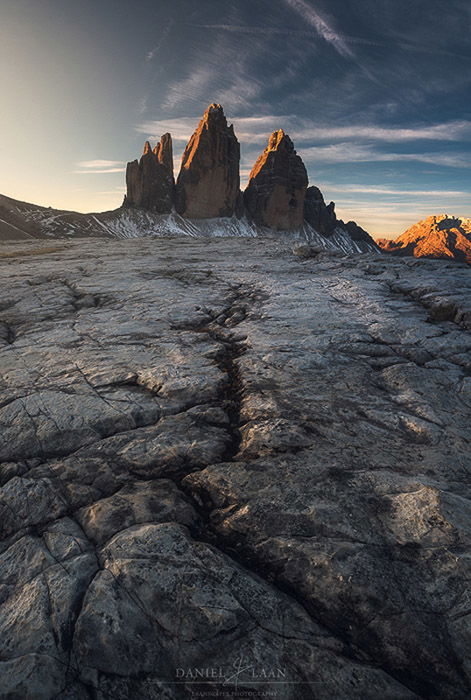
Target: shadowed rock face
[(277, 186), (356, 233), (150, 182), (319, 215), (324, 220), (208, 183), (435, 237)]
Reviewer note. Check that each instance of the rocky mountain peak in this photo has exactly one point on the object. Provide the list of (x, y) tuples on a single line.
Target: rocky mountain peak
[(277, 185), (214, 110), (279, 139), (214, 118), (437, 236), (318, 214), (164, 152), (150, 183), (208, 182)]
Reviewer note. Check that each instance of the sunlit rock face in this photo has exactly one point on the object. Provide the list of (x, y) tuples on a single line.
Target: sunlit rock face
[(150, 183), (439, 236), (208, 183), (277, 186), (164, 153), (318, 214)]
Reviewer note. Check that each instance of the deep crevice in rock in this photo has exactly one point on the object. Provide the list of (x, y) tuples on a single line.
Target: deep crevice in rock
[(7, 333)]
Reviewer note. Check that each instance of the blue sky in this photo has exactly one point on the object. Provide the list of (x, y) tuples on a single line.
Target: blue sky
[(375, 94)]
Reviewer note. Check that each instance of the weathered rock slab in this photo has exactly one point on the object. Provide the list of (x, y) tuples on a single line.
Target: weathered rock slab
[(225, 467)]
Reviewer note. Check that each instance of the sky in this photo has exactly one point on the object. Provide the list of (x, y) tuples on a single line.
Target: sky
[(376, 95)]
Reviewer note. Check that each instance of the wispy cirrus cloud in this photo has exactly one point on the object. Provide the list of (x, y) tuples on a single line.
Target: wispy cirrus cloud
[(374, 190), (197, 83), (350, 153), (181, 128), (448, 131), (99, 167), (256, 130), (235, 90), (99, 163), (337, 40), (324, 30), (116, 191), (104, 171), (346, 39), (152, 53)]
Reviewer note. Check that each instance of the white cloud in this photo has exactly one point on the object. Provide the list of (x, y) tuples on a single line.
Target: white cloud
[(150, 54), (99, 163), (155, 50), (370, 189), (101, 171), (255, 130), (309, 14), (352, 153), (449, 131), (190, 88), (142, 104)]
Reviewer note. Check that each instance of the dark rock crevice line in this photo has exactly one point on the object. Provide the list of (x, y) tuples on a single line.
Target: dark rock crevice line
[(205, 529), (231, 349)]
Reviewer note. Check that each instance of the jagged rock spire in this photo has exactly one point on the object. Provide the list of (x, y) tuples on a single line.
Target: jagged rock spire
[(318, 214), (208, 183), (164, 152), (150, 182), (277, 186)]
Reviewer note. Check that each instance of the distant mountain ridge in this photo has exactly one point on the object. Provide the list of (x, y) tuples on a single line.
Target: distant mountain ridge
[(25, 221), (205, 199), (277, 196), (441, 236)]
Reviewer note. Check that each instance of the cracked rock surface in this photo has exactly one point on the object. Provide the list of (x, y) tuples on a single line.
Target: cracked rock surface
[(228, 469)]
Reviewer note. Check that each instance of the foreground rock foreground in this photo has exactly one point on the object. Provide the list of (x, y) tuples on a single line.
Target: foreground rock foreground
[(219, 455)]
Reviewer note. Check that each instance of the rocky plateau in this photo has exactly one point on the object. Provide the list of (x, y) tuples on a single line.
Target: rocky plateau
[(230, 469)]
